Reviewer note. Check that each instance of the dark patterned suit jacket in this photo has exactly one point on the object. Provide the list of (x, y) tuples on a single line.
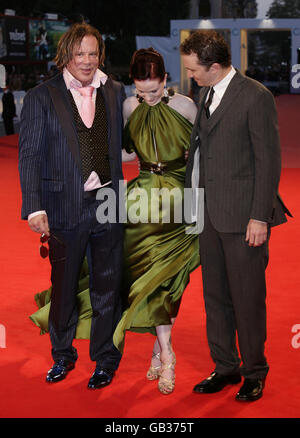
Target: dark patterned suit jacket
[(49, 157), (241, 152)]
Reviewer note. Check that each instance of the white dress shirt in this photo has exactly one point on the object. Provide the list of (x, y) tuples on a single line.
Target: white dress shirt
[(220, 89), (93, 182)]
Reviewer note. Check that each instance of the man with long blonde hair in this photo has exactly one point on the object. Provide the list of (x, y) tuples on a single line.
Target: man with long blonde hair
[(70, 148)]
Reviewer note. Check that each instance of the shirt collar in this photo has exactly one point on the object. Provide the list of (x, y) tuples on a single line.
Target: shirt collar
[(98, 79), (221, 86)]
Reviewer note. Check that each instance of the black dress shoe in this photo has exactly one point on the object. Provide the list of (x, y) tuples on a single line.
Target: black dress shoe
[(101, 377), (59, 370), (251, 390), (216, 382)]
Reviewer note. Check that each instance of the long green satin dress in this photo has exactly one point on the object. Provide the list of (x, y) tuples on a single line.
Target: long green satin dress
[(158, 253), (158, 256)]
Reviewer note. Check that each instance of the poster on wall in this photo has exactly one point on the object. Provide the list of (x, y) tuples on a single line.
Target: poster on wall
[(43, 38), (13, 39)]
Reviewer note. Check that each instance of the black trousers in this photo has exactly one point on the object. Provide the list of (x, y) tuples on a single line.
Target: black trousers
[(67, 250), (9, 125), (234, 294)]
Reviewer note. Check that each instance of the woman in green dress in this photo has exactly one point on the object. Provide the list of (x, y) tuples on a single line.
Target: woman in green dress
[(159, 254)]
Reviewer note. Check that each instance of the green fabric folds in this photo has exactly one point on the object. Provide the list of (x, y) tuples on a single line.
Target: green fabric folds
[(43, 300), (158, 256)]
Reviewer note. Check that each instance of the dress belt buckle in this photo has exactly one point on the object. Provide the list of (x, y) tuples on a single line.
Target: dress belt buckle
[(157, 169)]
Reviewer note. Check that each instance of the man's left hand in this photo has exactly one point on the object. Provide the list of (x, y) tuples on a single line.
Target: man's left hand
[(257, 232)]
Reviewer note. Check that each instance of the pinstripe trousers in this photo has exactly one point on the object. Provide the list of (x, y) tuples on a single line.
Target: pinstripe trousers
[(66, 252), (234, 293)]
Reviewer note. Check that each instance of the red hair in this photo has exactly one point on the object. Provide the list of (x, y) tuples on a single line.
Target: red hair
[(147, 64)]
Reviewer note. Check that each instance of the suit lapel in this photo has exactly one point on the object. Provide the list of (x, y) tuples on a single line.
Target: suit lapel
[(201, 105), (106, 91), (196, 126), (193, 164), (59, 95), (230, 95)]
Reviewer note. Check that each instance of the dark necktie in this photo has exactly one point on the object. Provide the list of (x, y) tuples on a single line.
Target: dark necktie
[(209, 101)]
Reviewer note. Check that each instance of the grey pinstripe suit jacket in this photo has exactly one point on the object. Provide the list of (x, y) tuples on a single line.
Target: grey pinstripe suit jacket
[(241, 152), (49, 157)]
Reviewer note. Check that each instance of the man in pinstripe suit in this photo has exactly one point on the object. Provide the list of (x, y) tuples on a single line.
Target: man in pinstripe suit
[(66, 158), (235, 157)]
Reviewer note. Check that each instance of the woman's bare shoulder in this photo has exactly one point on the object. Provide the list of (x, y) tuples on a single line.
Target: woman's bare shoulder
[(184, 106), (129, 105)]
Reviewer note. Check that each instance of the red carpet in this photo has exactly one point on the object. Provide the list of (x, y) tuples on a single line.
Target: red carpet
[(26, 357)]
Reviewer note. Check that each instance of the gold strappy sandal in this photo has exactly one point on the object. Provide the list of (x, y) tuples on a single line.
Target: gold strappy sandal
[(153, 372), (166, 386)]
